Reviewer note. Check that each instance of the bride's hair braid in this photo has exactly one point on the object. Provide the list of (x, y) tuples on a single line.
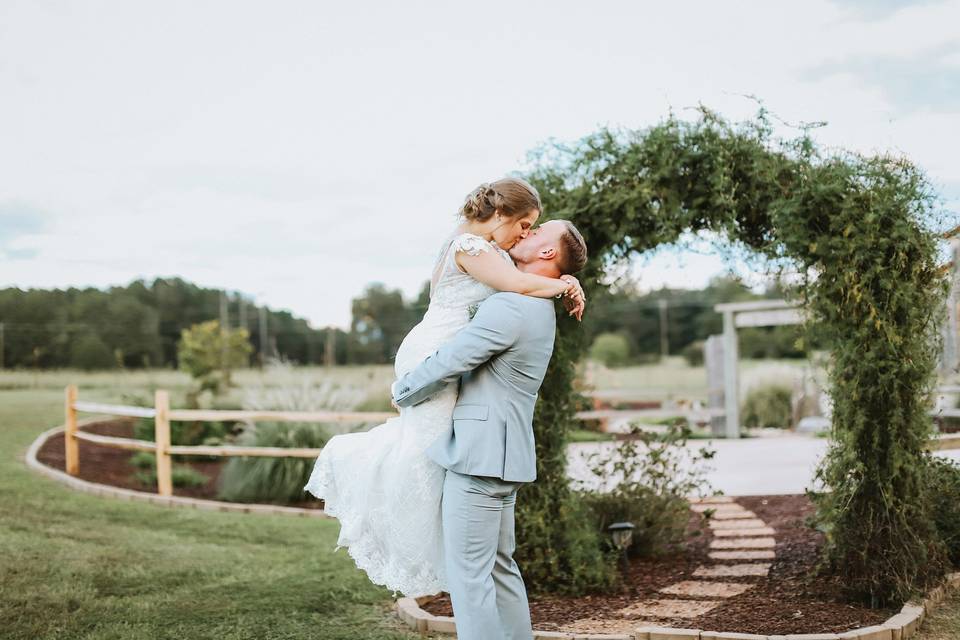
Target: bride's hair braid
[(509, 197)]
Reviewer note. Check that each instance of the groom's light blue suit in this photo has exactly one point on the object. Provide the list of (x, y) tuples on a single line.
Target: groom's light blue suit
[(488, 451)]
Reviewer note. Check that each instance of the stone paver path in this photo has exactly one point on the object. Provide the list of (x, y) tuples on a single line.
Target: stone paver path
[(739, 535)]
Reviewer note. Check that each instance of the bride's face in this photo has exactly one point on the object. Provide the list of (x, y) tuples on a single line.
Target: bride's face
[(510, 231)]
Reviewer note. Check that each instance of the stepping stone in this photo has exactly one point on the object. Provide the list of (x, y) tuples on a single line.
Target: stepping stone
[(732, 570), (734, 533), (702, 589), (589, 628), (713, 500), (734, 515), (742, 555), (743, 543), (737, 524), (717, 508), (670, 608)]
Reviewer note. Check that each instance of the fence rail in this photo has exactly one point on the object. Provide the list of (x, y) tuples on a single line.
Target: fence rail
[(163, 415)]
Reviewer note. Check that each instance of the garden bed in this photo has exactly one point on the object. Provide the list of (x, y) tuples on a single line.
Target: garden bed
[(789, 600), (112, 466)]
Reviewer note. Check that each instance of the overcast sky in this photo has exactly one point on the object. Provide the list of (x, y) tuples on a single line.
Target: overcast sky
[(297, 151)]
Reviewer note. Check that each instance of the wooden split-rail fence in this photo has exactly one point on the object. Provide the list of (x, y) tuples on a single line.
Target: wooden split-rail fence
[(163, 415)]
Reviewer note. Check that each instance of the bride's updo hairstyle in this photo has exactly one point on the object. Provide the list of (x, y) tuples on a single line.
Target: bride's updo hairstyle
[(510, 197)]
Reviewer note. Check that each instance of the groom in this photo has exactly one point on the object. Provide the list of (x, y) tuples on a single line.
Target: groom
[(488, 451)]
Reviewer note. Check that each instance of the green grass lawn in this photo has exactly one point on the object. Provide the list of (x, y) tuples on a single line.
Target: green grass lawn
[(75, 566)]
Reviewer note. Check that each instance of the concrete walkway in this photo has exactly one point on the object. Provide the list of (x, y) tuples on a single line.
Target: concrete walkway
[(750, 466)]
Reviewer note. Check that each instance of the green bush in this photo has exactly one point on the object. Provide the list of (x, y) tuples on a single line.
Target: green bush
[(186, 433), (693, 353), (647, 482), (944, 481), (143, 460), (272, 480), (181, 476), (612, 349), (768, 407)]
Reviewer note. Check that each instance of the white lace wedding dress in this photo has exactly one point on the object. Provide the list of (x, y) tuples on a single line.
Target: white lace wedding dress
[(379, 483)]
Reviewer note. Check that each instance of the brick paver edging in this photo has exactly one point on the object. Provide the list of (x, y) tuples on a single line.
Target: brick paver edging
[(901, 626), (108, 491)]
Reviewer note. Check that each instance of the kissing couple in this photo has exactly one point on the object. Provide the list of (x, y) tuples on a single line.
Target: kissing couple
[(426, 500)]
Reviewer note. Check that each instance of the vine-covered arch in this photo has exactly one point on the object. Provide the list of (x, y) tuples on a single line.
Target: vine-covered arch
[(861, 234)]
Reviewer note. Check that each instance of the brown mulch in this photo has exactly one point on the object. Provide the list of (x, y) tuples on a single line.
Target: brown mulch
[(789, 600), (111, 466)]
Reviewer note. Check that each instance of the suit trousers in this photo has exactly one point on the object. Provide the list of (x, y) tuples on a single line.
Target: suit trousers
[(486, 589)]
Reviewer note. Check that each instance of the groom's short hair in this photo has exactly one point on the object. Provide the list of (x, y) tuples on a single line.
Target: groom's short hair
[(572, 250)]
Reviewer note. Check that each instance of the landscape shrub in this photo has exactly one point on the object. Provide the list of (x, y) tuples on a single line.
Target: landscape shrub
[(181, 476), (944, 477), (611, 349), (647, 480), (271, 480), (693, 353), (768, 406)]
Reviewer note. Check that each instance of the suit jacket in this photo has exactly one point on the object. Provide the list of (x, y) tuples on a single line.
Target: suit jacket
[(500, 358)]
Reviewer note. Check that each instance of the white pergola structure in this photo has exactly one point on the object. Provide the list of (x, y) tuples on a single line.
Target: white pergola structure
[(771, 313), (759, 313)]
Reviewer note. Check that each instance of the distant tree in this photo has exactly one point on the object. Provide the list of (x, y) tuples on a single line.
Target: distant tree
[(89, 352), (209, 354)]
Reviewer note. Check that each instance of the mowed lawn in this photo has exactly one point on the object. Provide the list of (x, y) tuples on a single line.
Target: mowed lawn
[(75, 566)]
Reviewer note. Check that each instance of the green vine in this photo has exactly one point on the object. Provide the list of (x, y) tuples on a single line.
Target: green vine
[(859, 235)]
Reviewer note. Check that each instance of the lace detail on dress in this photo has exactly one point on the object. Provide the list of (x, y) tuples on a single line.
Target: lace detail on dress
[(469, 244), (380, 484)]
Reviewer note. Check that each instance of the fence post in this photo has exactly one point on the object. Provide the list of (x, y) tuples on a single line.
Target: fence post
[(161, 422), (71, 444)]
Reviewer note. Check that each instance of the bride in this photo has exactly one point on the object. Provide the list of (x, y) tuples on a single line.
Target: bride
[(379, 483)]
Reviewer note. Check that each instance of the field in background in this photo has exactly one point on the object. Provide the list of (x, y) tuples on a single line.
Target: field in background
[(673, 378)]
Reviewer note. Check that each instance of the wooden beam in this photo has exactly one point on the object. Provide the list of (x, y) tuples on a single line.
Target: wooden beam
[(230, 450), (116, 442), (281, 416)]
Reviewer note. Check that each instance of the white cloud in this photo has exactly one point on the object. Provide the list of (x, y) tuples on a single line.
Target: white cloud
[(303, 150)]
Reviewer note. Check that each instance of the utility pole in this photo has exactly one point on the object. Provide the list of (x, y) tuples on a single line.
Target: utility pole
[(224, 325), (664, 345), (242, 303), (263, 336), (330, 357)]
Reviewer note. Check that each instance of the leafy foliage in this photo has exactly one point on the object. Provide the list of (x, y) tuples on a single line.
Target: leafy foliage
[(271, 480), (647, 481), (209, 353), (945, 488), (858, 234), (612, 349), (768, 406)]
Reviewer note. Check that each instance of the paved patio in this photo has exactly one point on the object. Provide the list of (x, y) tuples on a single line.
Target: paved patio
[(749, 466)]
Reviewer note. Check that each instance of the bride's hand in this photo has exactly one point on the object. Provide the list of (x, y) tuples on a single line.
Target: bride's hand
[(574, 300)]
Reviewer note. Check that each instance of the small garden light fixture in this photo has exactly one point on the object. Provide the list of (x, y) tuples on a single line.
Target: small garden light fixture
[(622, 534)]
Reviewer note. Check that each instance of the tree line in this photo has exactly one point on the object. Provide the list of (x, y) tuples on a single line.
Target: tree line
[(139, 325)]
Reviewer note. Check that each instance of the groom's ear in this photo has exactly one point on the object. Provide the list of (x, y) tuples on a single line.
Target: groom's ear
[(548, 253)]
